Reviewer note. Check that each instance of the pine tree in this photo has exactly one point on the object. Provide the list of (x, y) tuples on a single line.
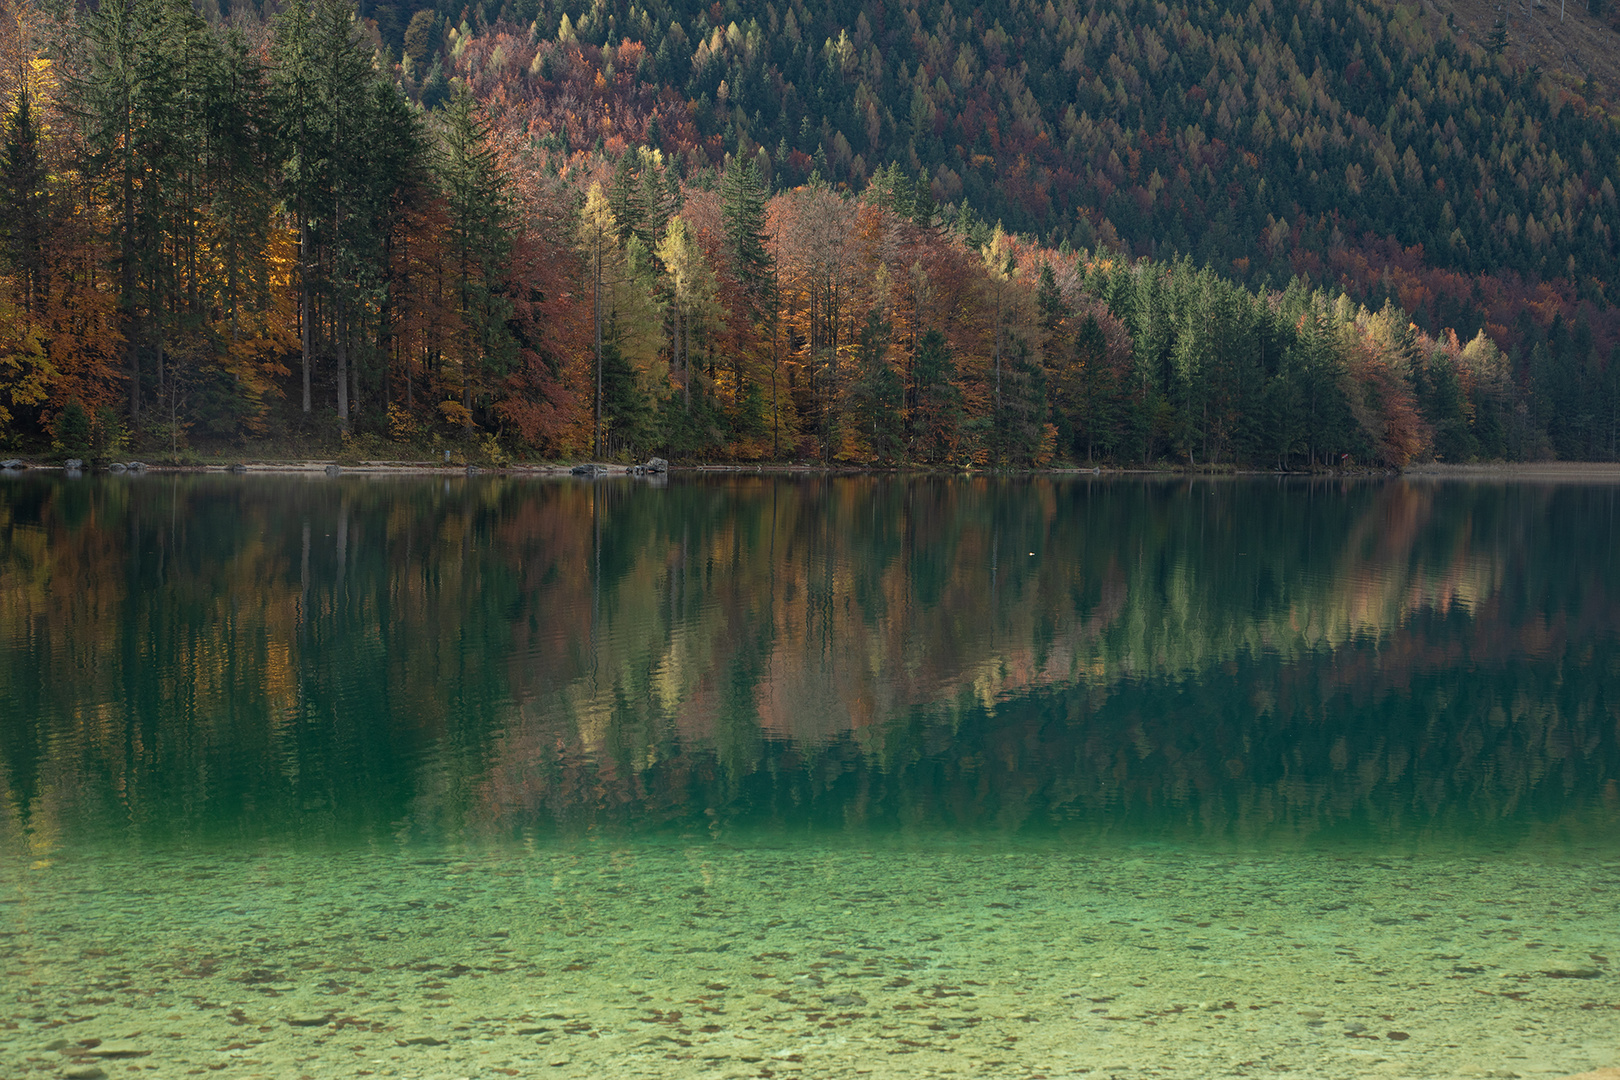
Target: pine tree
[(1496, 44), (480, 219), (294, 101), (110, 116), (625, 196), (939, 402), (923, 208), (877, 392), (24, 205), (742, 209)]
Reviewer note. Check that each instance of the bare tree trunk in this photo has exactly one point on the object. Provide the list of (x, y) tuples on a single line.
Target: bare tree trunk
[(305, 311), (596, 300), (132, 336), (340, 340)]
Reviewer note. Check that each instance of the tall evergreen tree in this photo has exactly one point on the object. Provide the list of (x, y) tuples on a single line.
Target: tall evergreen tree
[(877, 391), (480, 219), (742, 208), (939, 402), (24, 200)]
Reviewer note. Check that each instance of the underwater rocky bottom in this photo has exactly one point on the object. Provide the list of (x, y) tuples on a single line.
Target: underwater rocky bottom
[(700, 958)]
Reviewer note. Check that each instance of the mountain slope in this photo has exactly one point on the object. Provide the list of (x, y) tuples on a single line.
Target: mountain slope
[(1363, 144)]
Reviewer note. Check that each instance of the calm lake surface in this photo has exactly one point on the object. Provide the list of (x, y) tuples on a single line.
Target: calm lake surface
[(752, 776)]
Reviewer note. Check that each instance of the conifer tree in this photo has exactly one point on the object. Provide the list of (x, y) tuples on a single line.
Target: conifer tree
[(922, 203), (877, 392), (24, 205), (1496, 43), (742, 208), (625, 198), (480, 219), (939, 402)]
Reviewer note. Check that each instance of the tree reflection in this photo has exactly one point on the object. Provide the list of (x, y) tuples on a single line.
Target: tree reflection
[(311, 658)]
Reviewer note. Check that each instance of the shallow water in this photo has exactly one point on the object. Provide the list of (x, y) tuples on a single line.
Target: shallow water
[(814, 777)]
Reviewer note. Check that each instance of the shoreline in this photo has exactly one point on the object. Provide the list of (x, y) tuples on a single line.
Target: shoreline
[(1579, 472), (1522, 471)]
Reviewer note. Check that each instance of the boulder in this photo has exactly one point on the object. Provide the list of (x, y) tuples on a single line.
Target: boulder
[(333, 470), (236, 467), (118, 467), (73, 464), (657, 465), (12, 463)]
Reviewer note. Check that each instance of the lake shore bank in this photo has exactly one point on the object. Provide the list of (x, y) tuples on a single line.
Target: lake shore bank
[(1578, 472), (1523, 471)]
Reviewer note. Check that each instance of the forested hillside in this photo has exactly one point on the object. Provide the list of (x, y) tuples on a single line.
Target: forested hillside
[(1277, 233)]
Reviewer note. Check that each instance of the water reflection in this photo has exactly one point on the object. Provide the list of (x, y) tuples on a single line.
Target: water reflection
[(213, 656)]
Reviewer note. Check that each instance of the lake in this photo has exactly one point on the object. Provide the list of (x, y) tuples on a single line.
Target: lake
[(743, 775)]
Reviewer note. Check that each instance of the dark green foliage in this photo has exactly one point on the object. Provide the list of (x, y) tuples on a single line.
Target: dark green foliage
[(24, 206), (938, 412), (481, 219), (1444, 405), (742, 206), (922, 203), (73, 431), (1092, 398), (877, 393), (627, 413), (625, 200), (1496, 43), (107, 434), (435, 88), (1021, 427), (1049, 300)]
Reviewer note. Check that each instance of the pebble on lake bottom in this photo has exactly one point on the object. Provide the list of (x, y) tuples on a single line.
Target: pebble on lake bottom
[(703, 960)]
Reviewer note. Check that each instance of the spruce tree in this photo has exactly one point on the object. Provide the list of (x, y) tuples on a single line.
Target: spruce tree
[(625, 197), (939, 402), (877, 392), (742, 209), (923, 208), (24, 201), (1496, 44), (480, 217)]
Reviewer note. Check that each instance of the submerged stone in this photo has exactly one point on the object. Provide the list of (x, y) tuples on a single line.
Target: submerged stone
[(118, 1048)]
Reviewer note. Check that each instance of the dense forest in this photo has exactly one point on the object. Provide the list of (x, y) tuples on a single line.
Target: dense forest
[(1286, 234)]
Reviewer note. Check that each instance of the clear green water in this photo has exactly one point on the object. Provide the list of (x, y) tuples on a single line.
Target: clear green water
[(819, 777)]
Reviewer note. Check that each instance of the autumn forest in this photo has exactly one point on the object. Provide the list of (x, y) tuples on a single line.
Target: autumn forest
[(1278, 234)]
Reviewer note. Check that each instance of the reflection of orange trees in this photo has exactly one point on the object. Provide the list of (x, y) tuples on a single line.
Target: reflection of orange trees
[(194, 654), (820, 612), (282, 656)]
